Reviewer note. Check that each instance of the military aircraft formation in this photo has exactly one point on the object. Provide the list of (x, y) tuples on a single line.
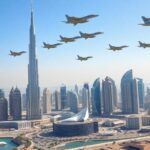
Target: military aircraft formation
[(80, 20), (75, 21)]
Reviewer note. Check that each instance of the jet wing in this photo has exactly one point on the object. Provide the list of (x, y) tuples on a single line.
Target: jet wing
[(90, 16), (96, 33), (89, 57)]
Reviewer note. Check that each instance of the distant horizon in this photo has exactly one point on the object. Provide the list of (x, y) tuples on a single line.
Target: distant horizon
[(69, 87)]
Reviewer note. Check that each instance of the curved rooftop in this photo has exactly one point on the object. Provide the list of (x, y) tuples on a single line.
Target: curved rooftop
[(83, 115), (109, 79), (96, 82), (127, 76)]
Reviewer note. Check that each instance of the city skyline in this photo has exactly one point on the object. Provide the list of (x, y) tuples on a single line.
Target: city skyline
[(74, 74), (55, 66)]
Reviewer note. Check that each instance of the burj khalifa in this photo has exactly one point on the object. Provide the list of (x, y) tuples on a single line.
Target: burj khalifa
[(33, 90)]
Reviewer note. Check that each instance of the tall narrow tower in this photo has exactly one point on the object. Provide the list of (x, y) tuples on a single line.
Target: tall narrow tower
[(33, 90)]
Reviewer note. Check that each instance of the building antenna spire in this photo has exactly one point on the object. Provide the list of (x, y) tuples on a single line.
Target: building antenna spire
[(31, 4)]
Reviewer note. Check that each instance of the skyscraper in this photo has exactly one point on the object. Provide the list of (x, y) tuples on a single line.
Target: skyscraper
[(129, 94), (76, 89), (33, 90), (141, 92), (3, 107), (73, 98), (126, 92), (147, 100), (10, 101), (57, 100), (108, 96), (63, 93), (86, 86), (115, 95), (24, 102), (96, 98), (46, 101), (135, 104), (85, 98), (15, 104), (2, 95)]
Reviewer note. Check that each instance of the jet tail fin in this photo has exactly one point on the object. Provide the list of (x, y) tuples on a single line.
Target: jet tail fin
[(81, 33), (78, 56), (61, 37), (44, 43), (110, 45), (144, 18), (67, 17), (140, 43)]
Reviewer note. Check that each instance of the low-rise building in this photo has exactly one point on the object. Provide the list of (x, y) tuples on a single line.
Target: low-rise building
[(113, 122), (145, 129), (133, 122), (15, 124), (146, 120)]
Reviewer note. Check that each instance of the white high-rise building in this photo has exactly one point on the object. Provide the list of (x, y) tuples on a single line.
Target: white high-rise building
[(57, 100), (136, 102), (108, 96), (33, 90), (46, 101), (73, 101), (85, 98)]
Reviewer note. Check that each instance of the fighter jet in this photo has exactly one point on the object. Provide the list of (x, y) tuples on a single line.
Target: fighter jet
[(89, 35), (48, 46), (144, 45), (67, 39), (83, 58), (146, 21), (117, 48), (76, 20), (13, 53)]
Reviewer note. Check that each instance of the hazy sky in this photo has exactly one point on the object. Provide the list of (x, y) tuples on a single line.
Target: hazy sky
[(118, 19)]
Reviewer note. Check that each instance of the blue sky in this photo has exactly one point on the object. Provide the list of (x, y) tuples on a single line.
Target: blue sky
[(118, 19)]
